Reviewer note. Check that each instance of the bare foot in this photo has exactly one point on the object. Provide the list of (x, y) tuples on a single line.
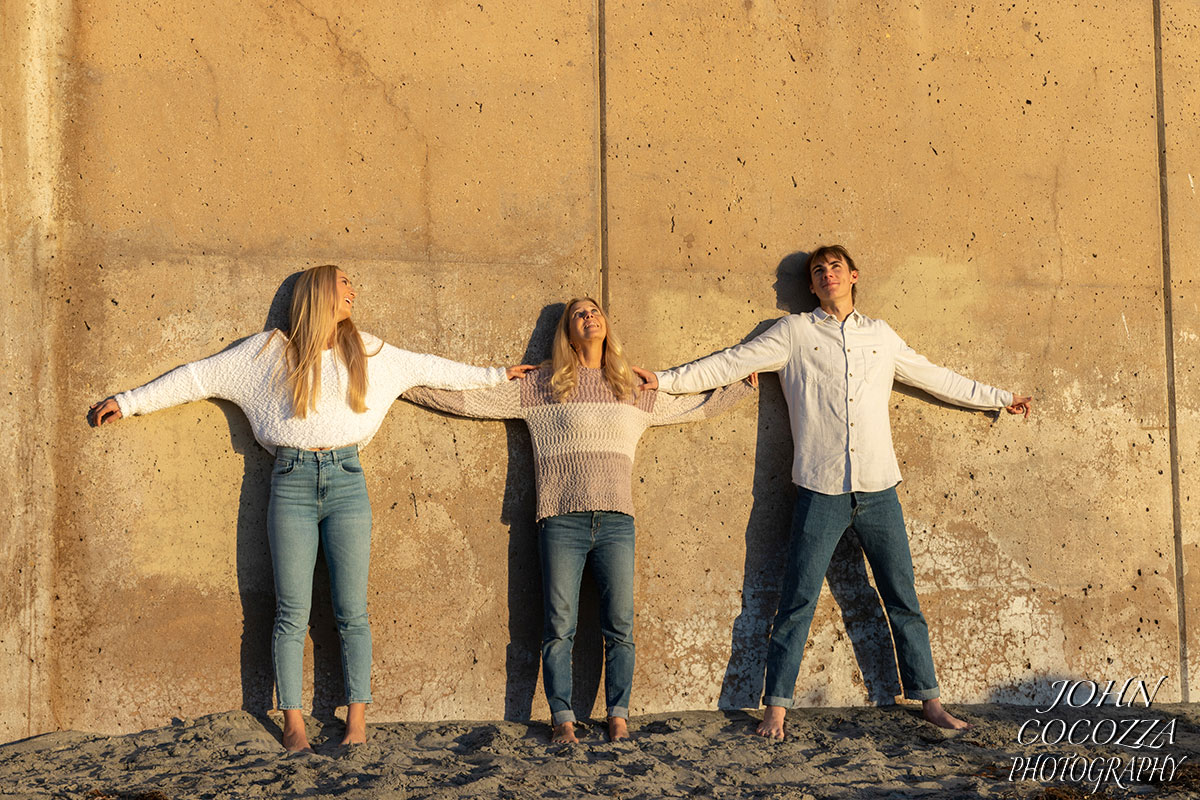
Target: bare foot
[(356, 724), (564, 733), (295, 737), (772, 725), (934, 712), (617, 729)]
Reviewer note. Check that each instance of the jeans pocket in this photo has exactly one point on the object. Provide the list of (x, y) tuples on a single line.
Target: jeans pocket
[(283, 466), (351, 465)]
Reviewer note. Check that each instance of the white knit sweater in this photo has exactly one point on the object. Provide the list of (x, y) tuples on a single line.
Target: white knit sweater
[(252, 377)]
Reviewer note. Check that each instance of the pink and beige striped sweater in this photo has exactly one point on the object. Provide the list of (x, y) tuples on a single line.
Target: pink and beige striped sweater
[(583, 448)]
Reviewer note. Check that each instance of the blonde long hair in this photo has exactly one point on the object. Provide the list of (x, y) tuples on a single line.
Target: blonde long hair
[(314, 302), (564, 362)]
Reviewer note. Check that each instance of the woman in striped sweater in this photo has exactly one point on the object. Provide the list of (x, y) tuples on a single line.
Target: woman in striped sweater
[(585, 414)]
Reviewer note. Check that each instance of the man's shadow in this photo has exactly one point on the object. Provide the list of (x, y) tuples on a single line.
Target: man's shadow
[(518, 509), (768, 533), (256, 587)]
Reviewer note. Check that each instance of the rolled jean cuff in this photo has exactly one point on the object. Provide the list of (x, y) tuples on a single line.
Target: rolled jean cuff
[(922, 694), (559, 717), (368, 700), (289, 707), (782, 702), (618, 711)]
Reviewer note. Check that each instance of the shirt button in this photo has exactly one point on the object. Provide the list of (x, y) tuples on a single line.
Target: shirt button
[(851, 374), (851, 449)]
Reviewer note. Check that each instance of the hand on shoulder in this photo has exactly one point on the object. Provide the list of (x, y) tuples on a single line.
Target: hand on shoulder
[(518, 371), (649, 379)]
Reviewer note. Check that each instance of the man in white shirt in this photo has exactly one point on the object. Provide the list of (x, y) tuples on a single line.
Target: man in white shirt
[(836, 367)]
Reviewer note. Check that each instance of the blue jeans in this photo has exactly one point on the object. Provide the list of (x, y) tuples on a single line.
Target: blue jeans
[(818, 523), (567, 542), (319, 497)]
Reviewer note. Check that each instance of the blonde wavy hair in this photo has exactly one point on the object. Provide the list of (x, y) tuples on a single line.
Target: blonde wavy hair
[(564, 362), (312, 325)]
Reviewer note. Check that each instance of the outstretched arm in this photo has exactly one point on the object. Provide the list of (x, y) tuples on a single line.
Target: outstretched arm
[(400, 370), (766, 352), (945, 384), (215, 376), (672, 409), (494, 402)]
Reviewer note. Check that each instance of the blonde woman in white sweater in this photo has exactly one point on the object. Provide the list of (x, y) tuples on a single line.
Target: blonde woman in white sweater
[(314, 397), (585, 414)]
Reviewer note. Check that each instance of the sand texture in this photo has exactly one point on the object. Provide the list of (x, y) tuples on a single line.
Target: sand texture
[(830, 753)]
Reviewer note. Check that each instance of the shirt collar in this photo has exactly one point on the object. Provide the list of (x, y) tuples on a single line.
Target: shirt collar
[(820, 315)]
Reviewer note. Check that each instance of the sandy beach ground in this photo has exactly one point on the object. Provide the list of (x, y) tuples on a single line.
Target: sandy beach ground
[(830, 753)]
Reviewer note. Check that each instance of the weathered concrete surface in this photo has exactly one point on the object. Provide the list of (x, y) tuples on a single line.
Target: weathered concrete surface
[(31, 114), (1181, 99), (973, 158), (211, 152), (165, 168)]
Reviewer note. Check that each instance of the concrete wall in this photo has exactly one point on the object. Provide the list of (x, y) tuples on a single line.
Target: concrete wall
[(995, 172)]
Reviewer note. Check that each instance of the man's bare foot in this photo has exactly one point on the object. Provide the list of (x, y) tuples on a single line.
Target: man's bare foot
[(617, 729), (772, 725), (295, 737), (356, 724), (564, 733), (934, 712)]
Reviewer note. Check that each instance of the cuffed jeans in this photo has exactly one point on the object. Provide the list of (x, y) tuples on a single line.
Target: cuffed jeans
[(567, 542), (818, 522), (319, 497)]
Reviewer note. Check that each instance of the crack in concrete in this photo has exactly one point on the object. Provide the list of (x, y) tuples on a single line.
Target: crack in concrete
[(358, 61), (1062, 279), (212, 74)]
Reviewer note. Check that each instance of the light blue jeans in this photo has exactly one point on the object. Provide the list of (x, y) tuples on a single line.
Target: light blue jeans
[(818, 522), (567, 542), (319, 498)]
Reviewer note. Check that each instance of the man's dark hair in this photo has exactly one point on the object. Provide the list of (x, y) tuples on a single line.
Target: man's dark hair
[(833, 250)]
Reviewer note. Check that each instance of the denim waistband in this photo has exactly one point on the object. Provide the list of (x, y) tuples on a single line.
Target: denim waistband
[(335, 455)]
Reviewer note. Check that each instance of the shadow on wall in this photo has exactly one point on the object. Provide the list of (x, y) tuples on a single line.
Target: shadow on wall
[(523, 652), (768, 532)]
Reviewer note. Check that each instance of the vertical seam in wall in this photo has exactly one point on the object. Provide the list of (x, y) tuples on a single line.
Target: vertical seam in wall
[(602, 109), (1169, 329)]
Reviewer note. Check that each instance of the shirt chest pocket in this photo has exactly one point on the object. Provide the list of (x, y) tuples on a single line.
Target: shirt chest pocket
[(873, 362), (825, 362)]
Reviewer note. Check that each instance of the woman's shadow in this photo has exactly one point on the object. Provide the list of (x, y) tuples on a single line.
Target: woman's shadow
[(768, 533), (518, 509)]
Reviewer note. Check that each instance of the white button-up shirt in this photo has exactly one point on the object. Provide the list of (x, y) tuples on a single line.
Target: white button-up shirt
[(837, 378)]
